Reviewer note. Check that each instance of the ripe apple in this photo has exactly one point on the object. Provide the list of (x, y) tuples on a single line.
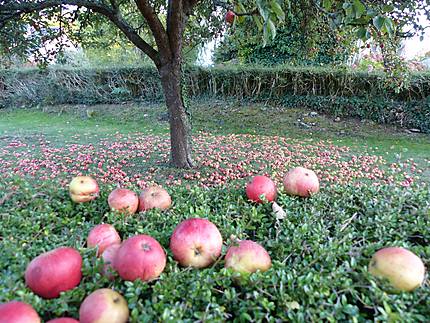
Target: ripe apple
[(83, 189), (123, 200), (140, 257), (54, 272), (108, 257), (18, 312), (229, 17), (154, 197), (104, 305), (403, 269), (102, 236), (261, 185), (247, 257), (196, 243), (301, 181), (63, 320)]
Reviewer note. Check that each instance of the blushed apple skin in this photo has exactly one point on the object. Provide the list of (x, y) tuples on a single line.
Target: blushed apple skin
[(229, 17), (18, 312), (104, 306), (154, 197), (54, 272), (261, 185), (83, 189), (123, 200), (196, 243), (140, 257), (404, 270), (108, 257), (247, 257), (102, 235), (301, 182), (63, 320)]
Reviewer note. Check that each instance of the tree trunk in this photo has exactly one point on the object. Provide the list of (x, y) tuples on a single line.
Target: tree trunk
[(180, 130)]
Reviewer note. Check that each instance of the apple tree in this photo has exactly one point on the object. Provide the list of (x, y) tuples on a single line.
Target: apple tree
[(160, 28)]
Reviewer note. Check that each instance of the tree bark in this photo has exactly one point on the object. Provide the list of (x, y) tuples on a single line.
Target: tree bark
[(180, 130)]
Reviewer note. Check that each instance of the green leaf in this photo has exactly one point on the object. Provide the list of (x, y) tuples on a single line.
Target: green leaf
[(378, 22), (359, 8), (361, 33), (257, 21), (277, 9), (272, 28), (327, 4), (389, 26), (387, 8)]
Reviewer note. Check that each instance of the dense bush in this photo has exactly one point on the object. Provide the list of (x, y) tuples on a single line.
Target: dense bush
[(353, 93), (320, 253)]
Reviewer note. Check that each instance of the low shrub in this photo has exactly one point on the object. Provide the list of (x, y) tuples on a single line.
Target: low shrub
[(320, 253)]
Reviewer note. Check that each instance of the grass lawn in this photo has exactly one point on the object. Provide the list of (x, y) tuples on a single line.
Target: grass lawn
[(373, 194)]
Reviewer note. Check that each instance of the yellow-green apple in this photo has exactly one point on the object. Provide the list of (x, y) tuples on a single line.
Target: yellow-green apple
[(54, 272), (83, 189), (402, 268), (261, 186), (247, 256), (196, 243), (102, 236), (63, 320), (104, 306), (154, 197), (140, 257), (18, 312), (123, 200), (108, 257), (301, 182)]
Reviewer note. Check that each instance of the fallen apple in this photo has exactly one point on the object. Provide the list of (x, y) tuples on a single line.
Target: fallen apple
[(54, 272), (83, 189), (18, 312), (140, 257), (402, 268), (63, 320), (261, 186), (104, 306), (196, 243), (247, 256), (102, 236), (123, 200), (108, 257), (154, 197), (301, 182)]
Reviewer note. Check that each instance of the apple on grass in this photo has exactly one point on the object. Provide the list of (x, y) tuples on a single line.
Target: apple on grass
[(140, 257), (54, 272), (18, 312), (63, 320), (83, 189), (104, 306), (196, 243), (154, 197), (108, 257), (102, 236), (301, 182), (402, 268), (247, 257), (261, 186), (123, 200)]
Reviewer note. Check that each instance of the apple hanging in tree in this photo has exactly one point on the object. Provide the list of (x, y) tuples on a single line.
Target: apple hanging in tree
[(229, 17)]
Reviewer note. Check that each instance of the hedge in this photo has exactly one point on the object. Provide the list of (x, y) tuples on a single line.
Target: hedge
[(334, 91)]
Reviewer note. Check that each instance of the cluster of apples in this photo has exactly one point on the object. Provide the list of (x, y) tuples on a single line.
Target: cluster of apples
[(404, 270)]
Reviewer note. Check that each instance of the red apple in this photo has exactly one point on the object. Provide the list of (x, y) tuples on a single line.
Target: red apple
[(154, 197), (104, 306), (140, 257), (108, 257), (402, 268), (18, 312), (54, 272), (196, 243), (261, 185), (102, 236), (63, 320), (301, 181), (229, 17), (123, 200), (247, 257), (83, 189)]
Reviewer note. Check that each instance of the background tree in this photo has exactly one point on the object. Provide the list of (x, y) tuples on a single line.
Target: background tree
[(160, 29)]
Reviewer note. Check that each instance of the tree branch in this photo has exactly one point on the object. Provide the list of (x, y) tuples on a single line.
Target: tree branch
[(157, 29), (13, 11)]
